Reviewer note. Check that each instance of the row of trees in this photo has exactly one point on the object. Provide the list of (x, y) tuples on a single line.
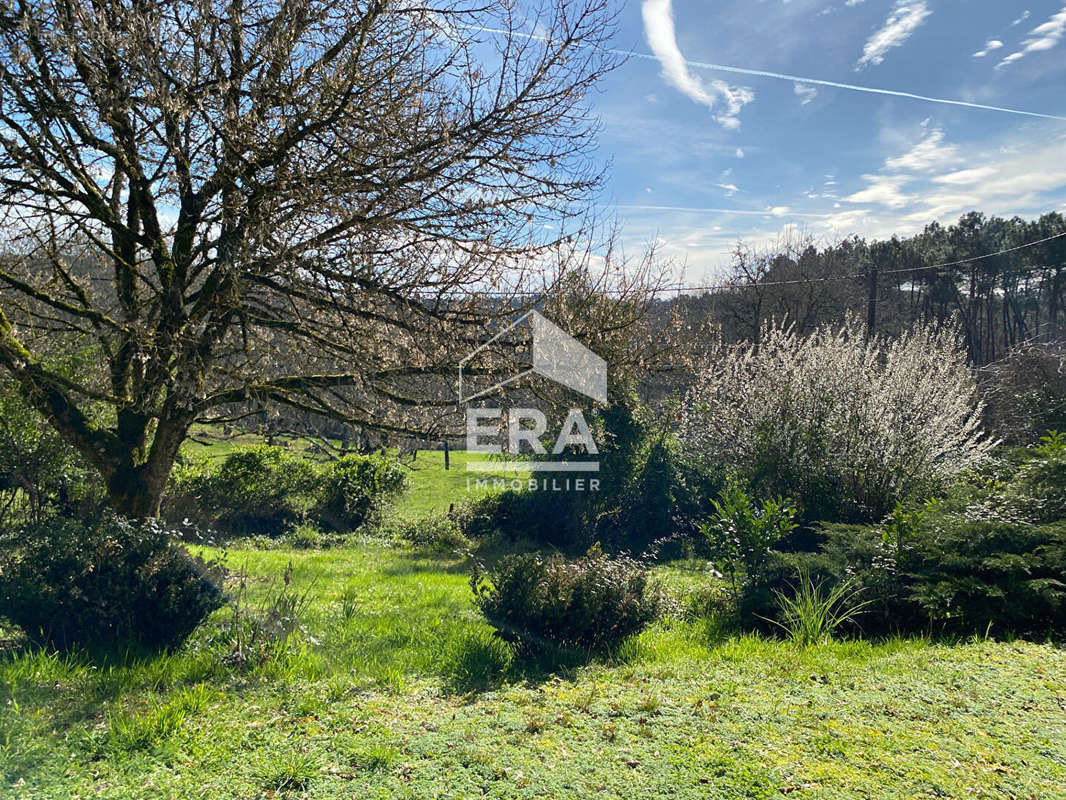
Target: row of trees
[(219, 207), (1000, 301)]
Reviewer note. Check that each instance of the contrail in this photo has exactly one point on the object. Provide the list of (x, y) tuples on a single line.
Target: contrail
[(780, 76), (759, 73)]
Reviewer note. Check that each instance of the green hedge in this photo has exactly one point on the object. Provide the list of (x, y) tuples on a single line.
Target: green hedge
[(269, 490)]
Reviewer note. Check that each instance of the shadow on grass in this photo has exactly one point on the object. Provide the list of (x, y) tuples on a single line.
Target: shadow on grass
[(427, 561), (483, 662), (455, 561)]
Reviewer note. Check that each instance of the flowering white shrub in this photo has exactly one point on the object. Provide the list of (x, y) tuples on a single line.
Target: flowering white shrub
[(844, 426)]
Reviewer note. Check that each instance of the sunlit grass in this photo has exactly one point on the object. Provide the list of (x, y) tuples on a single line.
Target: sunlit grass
[(395, 688), (433, 490)]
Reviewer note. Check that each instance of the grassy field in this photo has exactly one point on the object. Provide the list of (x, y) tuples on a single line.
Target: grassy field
[(374, 700), (433, 489), (395, 687)]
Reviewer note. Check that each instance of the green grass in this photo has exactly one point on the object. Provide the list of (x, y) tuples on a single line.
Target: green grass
[(432, 488), (375, 700)]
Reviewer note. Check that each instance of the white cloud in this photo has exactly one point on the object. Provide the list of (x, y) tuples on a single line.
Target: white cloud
[(854, 2), (882, 190), (740, 152), (804, 92), (1005, 180), (930, 153), (965, 177), (1042, 37), (729, 188), (1005, 177), (906, 17), (990, 45), (886, 187), (1025, 15), (662, 38)]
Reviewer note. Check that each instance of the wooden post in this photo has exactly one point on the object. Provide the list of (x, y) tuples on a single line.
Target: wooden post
[(871, 305), (447, 460)]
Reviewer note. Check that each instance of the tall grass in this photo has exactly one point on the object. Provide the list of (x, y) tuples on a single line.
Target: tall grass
[(812, 614)]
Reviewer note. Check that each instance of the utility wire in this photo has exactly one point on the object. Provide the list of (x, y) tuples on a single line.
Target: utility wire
[(828, 278)]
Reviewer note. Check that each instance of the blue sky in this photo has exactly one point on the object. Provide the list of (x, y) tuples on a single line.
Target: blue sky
[(701, 157)]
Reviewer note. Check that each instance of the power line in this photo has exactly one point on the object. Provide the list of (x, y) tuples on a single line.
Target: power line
[(855, 276), (792, 282)]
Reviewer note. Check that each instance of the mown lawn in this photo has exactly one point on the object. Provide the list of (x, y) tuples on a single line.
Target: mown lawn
[(432, 488), (368, 706)]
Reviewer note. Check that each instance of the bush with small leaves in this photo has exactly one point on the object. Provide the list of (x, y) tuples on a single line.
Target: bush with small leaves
[(354, 490), (544, 601), (270, 490), (1038, 489), (257, 489), (647, 494), (741, 532), (305, 537), (106, 583), (846, 426), (990, 556), (40, 474), (439, 532)]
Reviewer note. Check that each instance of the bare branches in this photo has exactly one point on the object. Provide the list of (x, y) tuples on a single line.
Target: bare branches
[(284, 200)]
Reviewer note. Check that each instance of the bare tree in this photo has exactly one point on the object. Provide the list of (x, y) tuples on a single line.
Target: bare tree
[(292, 201)]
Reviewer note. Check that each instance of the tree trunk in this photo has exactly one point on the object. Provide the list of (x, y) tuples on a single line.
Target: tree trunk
[(135, 497), (136, 485)]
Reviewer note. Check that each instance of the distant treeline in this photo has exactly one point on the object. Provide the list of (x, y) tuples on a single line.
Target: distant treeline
[(1000, 300)]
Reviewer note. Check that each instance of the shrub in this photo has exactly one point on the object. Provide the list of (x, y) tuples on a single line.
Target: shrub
[(257, 489), (546, 518), (846, 427), (992, 555), (1038, 489), (740, 534), (1025, 392), (541, 601), (974, 575), (647, 493), (858, 553), (68, 583), (305, 537), (40, 474), (354, 490), (269, 490), (182, 504), (439, 532)]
